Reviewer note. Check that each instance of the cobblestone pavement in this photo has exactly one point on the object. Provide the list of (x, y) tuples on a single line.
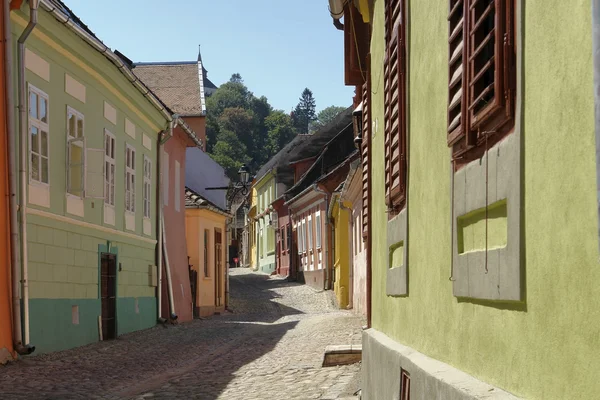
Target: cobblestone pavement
[(270, 347)]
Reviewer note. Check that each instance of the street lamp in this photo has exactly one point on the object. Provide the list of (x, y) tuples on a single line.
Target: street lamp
[(244, 173)]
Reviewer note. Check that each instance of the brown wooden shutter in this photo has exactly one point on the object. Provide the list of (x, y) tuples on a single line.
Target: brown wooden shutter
[(395, 104), (456, 74), (481, 72), (366, 150)]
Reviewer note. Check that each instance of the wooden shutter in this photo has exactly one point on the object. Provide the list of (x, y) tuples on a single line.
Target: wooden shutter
[(456, 74), (395, 104), (481, 72), (366, 148)]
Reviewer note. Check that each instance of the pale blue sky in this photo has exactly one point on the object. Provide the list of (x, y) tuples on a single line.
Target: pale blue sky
[(278, 46)]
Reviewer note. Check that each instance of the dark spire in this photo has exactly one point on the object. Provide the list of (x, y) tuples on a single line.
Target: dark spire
[(204, 71)]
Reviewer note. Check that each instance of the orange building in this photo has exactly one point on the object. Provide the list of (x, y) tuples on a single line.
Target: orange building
[(6, 339), (206, 236)]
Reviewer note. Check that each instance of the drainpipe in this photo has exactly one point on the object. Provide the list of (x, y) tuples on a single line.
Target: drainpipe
[(163, 137), (12, 175), (173, 315), (25, 347), (317, 188)]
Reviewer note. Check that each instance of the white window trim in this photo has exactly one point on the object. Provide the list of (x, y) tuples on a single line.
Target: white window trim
[(130, 171), (318, 231), (311, 230), (82, 144), (40, 126), (111, 161), (147, 187)]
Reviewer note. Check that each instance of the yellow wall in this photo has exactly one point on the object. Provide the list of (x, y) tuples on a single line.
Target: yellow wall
[(341, 221), (196, 221)]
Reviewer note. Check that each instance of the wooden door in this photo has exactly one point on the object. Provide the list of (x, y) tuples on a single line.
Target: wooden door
[(108, 295), (218, 267)]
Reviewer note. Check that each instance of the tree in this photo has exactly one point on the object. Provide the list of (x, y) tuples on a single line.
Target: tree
[(240, 122), (325, 116), (230, 153), (280, 131), (304, 113), (236, 78)]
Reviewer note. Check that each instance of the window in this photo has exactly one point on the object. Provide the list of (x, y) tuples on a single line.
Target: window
[(206, 233), (395, 105), (260, 246), (282, 239), (75, 153), (404, 386), (177, 186), (109, 168), (288, 237), (165, 169), (318, 228), (310, 232), (481, 75), (270, 239), (130, 179), (38, 136), (301, 237), (147, 186)]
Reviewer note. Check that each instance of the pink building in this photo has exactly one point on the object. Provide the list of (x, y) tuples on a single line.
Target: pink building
[(182, 87)]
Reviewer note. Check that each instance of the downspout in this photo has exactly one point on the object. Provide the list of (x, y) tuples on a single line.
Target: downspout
[(350, 256), (162, 139), (12, 175), (24, 347), (327, 272), (173, 315)]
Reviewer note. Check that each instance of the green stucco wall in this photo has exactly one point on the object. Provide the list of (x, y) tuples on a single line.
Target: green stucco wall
[(64, 271), (546, 347)]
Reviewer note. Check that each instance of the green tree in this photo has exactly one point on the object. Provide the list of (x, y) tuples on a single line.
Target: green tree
[(230, 153), (305, 111), (325, 116), (280, 131)]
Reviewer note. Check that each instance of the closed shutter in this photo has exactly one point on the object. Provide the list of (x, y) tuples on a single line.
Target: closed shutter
[(456, 74), (395, 105), (481, 73), (365, 148)]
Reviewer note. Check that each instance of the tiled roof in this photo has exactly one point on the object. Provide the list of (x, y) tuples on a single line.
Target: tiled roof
[(194, 200), (178, 85)]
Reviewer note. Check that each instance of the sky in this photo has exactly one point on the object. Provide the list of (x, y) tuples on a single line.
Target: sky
[(278, 46)]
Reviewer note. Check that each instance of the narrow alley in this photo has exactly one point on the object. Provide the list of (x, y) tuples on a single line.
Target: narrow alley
[(270, 346)]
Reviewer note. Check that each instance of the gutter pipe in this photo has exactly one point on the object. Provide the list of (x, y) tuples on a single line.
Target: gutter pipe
[(24, 347), (173, 315)]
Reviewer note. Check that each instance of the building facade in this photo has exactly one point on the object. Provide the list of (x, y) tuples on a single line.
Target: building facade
[(357, 285), (206, 235), (266, 222), (471, 295), (340, 214), (91, 221)]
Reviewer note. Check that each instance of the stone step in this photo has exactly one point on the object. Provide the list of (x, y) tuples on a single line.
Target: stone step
[(342, 354)]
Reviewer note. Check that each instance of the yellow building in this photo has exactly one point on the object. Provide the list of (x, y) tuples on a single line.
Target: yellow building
[(206, 237), (252, 231), (340, 216)]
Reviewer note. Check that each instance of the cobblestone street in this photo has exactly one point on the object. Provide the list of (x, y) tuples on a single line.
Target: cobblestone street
[(270, 347)]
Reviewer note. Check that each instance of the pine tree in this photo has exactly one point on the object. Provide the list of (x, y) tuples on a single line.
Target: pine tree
[(305, 111)]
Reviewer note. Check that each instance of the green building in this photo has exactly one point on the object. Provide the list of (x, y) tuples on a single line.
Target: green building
[(265, 221), (478, 137), (91, 207)]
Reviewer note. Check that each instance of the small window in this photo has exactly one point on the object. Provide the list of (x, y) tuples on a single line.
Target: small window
[(109, 168), (282, 239), (310, 232), (147, 186), (206, 246), (130, 179), (39, 143), (318, 228), (75, 153), (405, 386)]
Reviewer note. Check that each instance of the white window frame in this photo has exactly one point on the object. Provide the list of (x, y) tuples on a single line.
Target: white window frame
[(177, 186), (79, 142), (147, 186), (303, 226), (311, 230), (130, 180), (40, 126), (318, 231), (110, 160)]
